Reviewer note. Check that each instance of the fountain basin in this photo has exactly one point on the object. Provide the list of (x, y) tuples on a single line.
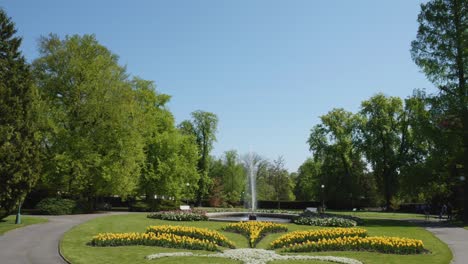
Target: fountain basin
[(244, 216)]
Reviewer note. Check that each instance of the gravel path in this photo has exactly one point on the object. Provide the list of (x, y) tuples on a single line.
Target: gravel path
[(38, 244)]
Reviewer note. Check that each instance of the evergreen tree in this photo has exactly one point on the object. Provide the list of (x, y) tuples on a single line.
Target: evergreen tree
[(19, 145)]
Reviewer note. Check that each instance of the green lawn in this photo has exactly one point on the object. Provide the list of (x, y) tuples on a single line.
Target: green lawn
[(73, 244), (379, 215), (8, 223)]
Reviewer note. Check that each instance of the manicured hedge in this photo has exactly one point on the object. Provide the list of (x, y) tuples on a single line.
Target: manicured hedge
[(56, 206), (179, 215)]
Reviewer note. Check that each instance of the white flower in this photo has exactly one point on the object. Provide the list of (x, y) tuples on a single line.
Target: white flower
[(256, 256)]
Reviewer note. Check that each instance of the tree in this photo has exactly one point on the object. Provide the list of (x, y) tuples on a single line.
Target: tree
[(19, 131), (339, 158), (308, 181), (279, 179), (203, 127), (392, 139), (441, 50), (233, 177), (170, 156), (93, 143)]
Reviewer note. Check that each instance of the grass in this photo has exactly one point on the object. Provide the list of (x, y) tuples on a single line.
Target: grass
[(379, 215), (74, 248), (8, 223)]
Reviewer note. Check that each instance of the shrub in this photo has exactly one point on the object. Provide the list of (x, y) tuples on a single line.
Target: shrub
[(180, 215), (255, 231), (140, 206), (326, 221), (193, 232), (56, 206), (316, 235)]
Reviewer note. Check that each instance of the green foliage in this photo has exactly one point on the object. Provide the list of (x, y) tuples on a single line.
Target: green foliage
[(93, 142), (19, 121), (202, 128), (326, 221), (140, 206), (178, 215), (337, 162), (56, 206), (273, 180), (441, 51)]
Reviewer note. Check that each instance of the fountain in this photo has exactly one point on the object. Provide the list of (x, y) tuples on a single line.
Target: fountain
[(251, 181), (250, 200)]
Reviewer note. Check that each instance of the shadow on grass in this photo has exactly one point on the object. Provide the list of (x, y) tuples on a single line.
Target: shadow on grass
[(386, 223)]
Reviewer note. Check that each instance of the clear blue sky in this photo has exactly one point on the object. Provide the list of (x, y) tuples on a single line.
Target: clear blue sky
[(267, 68)]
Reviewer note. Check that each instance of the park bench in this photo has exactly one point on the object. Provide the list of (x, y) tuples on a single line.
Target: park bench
[(185, 207), (311, 209)]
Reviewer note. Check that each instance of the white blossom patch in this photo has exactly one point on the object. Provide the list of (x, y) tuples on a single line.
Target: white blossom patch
[(256, 256)]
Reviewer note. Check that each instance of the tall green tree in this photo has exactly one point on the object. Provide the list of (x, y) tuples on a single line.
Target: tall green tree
[(19, 131), (170, 166), (441, 51), (392, 139), (234, 176), (335, 147), (93, 143), (203, 127), (308, 181)]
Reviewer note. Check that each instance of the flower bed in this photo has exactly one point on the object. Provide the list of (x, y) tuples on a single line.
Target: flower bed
[(179, 215), (193, 232), (325, 221), (316, 235), (152, 239), (345, 239), (394, 245), (254, 231), (166, 236)]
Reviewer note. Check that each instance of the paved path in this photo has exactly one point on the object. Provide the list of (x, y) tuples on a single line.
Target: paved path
[(38, 244), (456, 238)]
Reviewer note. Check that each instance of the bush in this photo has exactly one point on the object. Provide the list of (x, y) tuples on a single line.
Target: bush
[(165, 205), (140, 206), (334, 220), (56, 206), (326, 221), (179, 215)]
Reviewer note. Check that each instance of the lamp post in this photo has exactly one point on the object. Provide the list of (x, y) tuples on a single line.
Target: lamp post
[(188, 185), (323, 197), (18, 215)]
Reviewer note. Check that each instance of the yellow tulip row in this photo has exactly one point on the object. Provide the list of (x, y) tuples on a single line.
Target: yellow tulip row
[(152, 239), (393, 245), (254, 230), (315, 235), (194, 232)]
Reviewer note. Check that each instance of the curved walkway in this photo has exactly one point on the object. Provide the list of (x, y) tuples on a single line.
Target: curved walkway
[(456, 238), (38, 244)]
